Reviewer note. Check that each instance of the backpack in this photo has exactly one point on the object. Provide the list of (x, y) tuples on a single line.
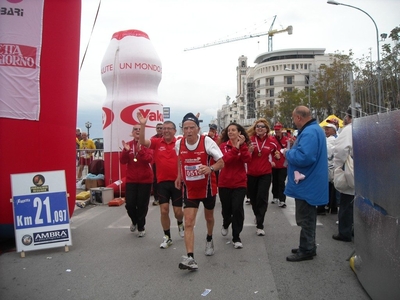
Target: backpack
[(96, 167)]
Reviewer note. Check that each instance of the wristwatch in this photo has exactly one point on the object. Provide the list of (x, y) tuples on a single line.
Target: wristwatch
[(212, 168)]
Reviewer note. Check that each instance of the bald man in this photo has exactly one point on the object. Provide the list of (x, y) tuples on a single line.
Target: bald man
[(307, 179)]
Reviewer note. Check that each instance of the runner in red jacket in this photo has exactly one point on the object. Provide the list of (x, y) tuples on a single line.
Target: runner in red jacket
[(259, 170), (232, 181), (139, 178), (279, 171)]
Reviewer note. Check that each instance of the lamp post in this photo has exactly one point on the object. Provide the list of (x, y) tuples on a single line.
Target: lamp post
[(88, 125), (308, 83), (333, 2)]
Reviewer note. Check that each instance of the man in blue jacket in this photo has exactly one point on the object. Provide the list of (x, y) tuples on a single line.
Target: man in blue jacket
[(307, 179)]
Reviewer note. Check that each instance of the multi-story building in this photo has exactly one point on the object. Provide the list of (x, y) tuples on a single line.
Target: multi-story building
[(259, 87)]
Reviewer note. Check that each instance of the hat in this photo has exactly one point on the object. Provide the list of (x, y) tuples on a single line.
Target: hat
[(278, 126), (213, 126), (333, 121), (190, 117), (330, 125)]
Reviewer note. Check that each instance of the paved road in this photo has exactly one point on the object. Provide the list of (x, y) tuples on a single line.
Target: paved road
[(107, 261)]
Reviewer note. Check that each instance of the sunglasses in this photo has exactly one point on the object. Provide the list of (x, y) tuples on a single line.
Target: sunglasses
[(261, 126), (136, 129), (158, 127)]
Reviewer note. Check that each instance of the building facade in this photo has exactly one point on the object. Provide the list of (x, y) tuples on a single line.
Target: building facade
[(259, 87)]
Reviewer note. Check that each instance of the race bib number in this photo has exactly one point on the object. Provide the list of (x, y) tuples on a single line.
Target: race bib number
[(192, 173)]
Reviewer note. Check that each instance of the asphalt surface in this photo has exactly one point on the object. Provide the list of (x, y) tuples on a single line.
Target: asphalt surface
[(107, 261)]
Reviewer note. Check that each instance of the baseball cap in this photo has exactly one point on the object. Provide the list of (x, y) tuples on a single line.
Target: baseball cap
[(190, 117), (278, 126)]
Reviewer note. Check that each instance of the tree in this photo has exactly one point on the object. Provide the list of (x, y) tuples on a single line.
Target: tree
[(288, 102), (391, 71), (331, 86)]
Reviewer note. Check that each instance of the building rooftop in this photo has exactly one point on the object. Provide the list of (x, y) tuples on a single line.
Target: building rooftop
[(289, 54)]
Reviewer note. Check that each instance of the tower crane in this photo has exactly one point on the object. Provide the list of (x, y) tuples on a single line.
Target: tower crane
[(271, 32)]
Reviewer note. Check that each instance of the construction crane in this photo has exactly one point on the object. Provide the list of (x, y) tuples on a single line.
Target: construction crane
[(270, 34)]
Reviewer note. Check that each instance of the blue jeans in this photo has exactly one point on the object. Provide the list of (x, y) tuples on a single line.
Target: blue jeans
[(306, 218)]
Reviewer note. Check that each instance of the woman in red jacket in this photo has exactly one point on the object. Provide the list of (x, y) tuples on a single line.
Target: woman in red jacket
[(232, 182), (139, 178), (259, 170)]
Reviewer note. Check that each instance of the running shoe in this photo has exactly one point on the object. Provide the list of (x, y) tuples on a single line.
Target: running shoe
[(238, 245), (275, 200), (209, 248), (181, 229), (282, 204), (142, 233), (260, 232), (224, 231), (156, 202), (133, 227), (188, 263), (166, 242), (247, 201)]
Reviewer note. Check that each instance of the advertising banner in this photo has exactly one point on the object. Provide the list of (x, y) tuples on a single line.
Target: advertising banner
[(20, 47)]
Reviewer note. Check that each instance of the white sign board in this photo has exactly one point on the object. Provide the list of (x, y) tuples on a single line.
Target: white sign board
[(40, 207)]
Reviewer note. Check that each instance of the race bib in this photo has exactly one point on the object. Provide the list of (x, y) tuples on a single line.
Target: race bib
[(192, 173)]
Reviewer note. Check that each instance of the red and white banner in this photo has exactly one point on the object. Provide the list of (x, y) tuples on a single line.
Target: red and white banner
[(20, 47)]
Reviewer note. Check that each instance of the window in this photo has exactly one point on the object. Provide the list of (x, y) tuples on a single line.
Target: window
[(271, 81), (289, 79), (271, 92)]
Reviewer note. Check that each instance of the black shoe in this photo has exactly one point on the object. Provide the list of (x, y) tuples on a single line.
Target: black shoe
[(338, 237), (156, 202), (296, 250), (300, 256)]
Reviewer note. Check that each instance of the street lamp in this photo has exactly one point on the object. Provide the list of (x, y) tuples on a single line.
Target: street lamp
[(377, 48), (308, 83), (88, 125)]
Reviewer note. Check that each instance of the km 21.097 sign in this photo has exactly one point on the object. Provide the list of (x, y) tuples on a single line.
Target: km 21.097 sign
[(40, 207)]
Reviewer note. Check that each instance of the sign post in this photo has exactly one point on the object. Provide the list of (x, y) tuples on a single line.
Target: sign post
[(40, 209)]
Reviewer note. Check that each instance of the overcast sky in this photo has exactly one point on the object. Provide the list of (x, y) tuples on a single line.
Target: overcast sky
[(199, 80)]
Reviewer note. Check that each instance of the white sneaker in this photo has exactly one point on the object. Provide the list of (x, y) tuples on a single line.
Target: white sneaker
[(260, 232), (133, 228), (238, 245), (142, 233), (247, 201), (209, 248), (181, 229), (282, 204), (166, 242), (188, 263), (275, 200), (224, 231)]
